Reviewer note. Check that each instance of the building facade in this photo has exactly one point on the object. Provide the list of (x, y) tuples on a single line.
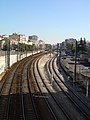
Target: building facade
[(33, 39)]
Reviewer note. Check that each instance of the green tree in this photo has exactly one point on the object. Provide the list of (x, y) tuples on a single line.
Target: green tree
[(71, 47), (82, 46)]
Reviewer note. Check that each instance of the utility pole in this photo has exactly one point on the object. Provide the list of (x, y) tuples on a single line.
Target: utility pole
[(18, 39), (87, 87), (17, 51), (50, 50), (7, 54), (26, 49), (87, 84), (75, 67), (5, 48), (20, 51), (57, 48)]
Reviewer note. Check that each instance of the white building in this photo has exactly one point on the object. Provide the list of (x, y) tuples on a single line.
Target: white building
[(33, 39), (41, 44), (21, 38)]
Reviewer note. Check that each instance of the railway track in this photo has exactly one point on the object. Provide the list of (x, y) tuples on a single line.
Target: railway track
[(14, 103), (62, 112), (27, 94), (40, 96), (29, 109), (71, 95), (5, 92)]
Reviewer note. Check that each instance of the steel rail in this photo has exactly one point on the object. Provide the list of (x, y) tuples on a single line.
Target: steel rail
[(77, 95), (85, 108), (49, 107), (31, 96), (6, 76), (84, 113), (9, 100), (15, 66), (59, 105)]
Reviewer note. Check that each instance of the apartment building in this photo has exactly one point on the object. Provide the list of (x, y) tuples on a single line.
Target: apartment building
[(21, 38), (33, 39)]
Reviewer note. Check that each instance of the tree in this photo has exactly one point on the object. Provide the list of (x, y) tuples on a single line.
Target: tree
[(71, 47), (82, 46)]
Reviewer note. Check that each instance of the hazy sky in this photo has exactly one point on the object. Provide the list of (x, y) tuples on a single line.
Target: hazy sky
[(52, 20)]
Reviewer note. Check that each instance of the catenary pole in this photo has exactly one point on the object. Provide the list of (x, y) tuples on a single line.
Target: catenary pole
[(74, 80)]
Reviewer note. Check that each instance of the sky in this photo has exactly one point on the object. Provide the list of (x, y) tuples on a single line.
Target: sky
[(53, 21)]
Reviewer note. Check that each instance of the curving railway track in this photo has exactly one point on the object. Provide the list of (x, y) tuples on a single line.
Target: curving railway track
[(77, 103), (61, 113), (40, 95), (34, 89), (16, 101)]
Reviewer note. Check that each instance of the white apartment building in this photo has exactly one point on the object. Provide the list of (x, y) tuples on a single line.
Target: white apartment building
[(21, 38), (33, 39)]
